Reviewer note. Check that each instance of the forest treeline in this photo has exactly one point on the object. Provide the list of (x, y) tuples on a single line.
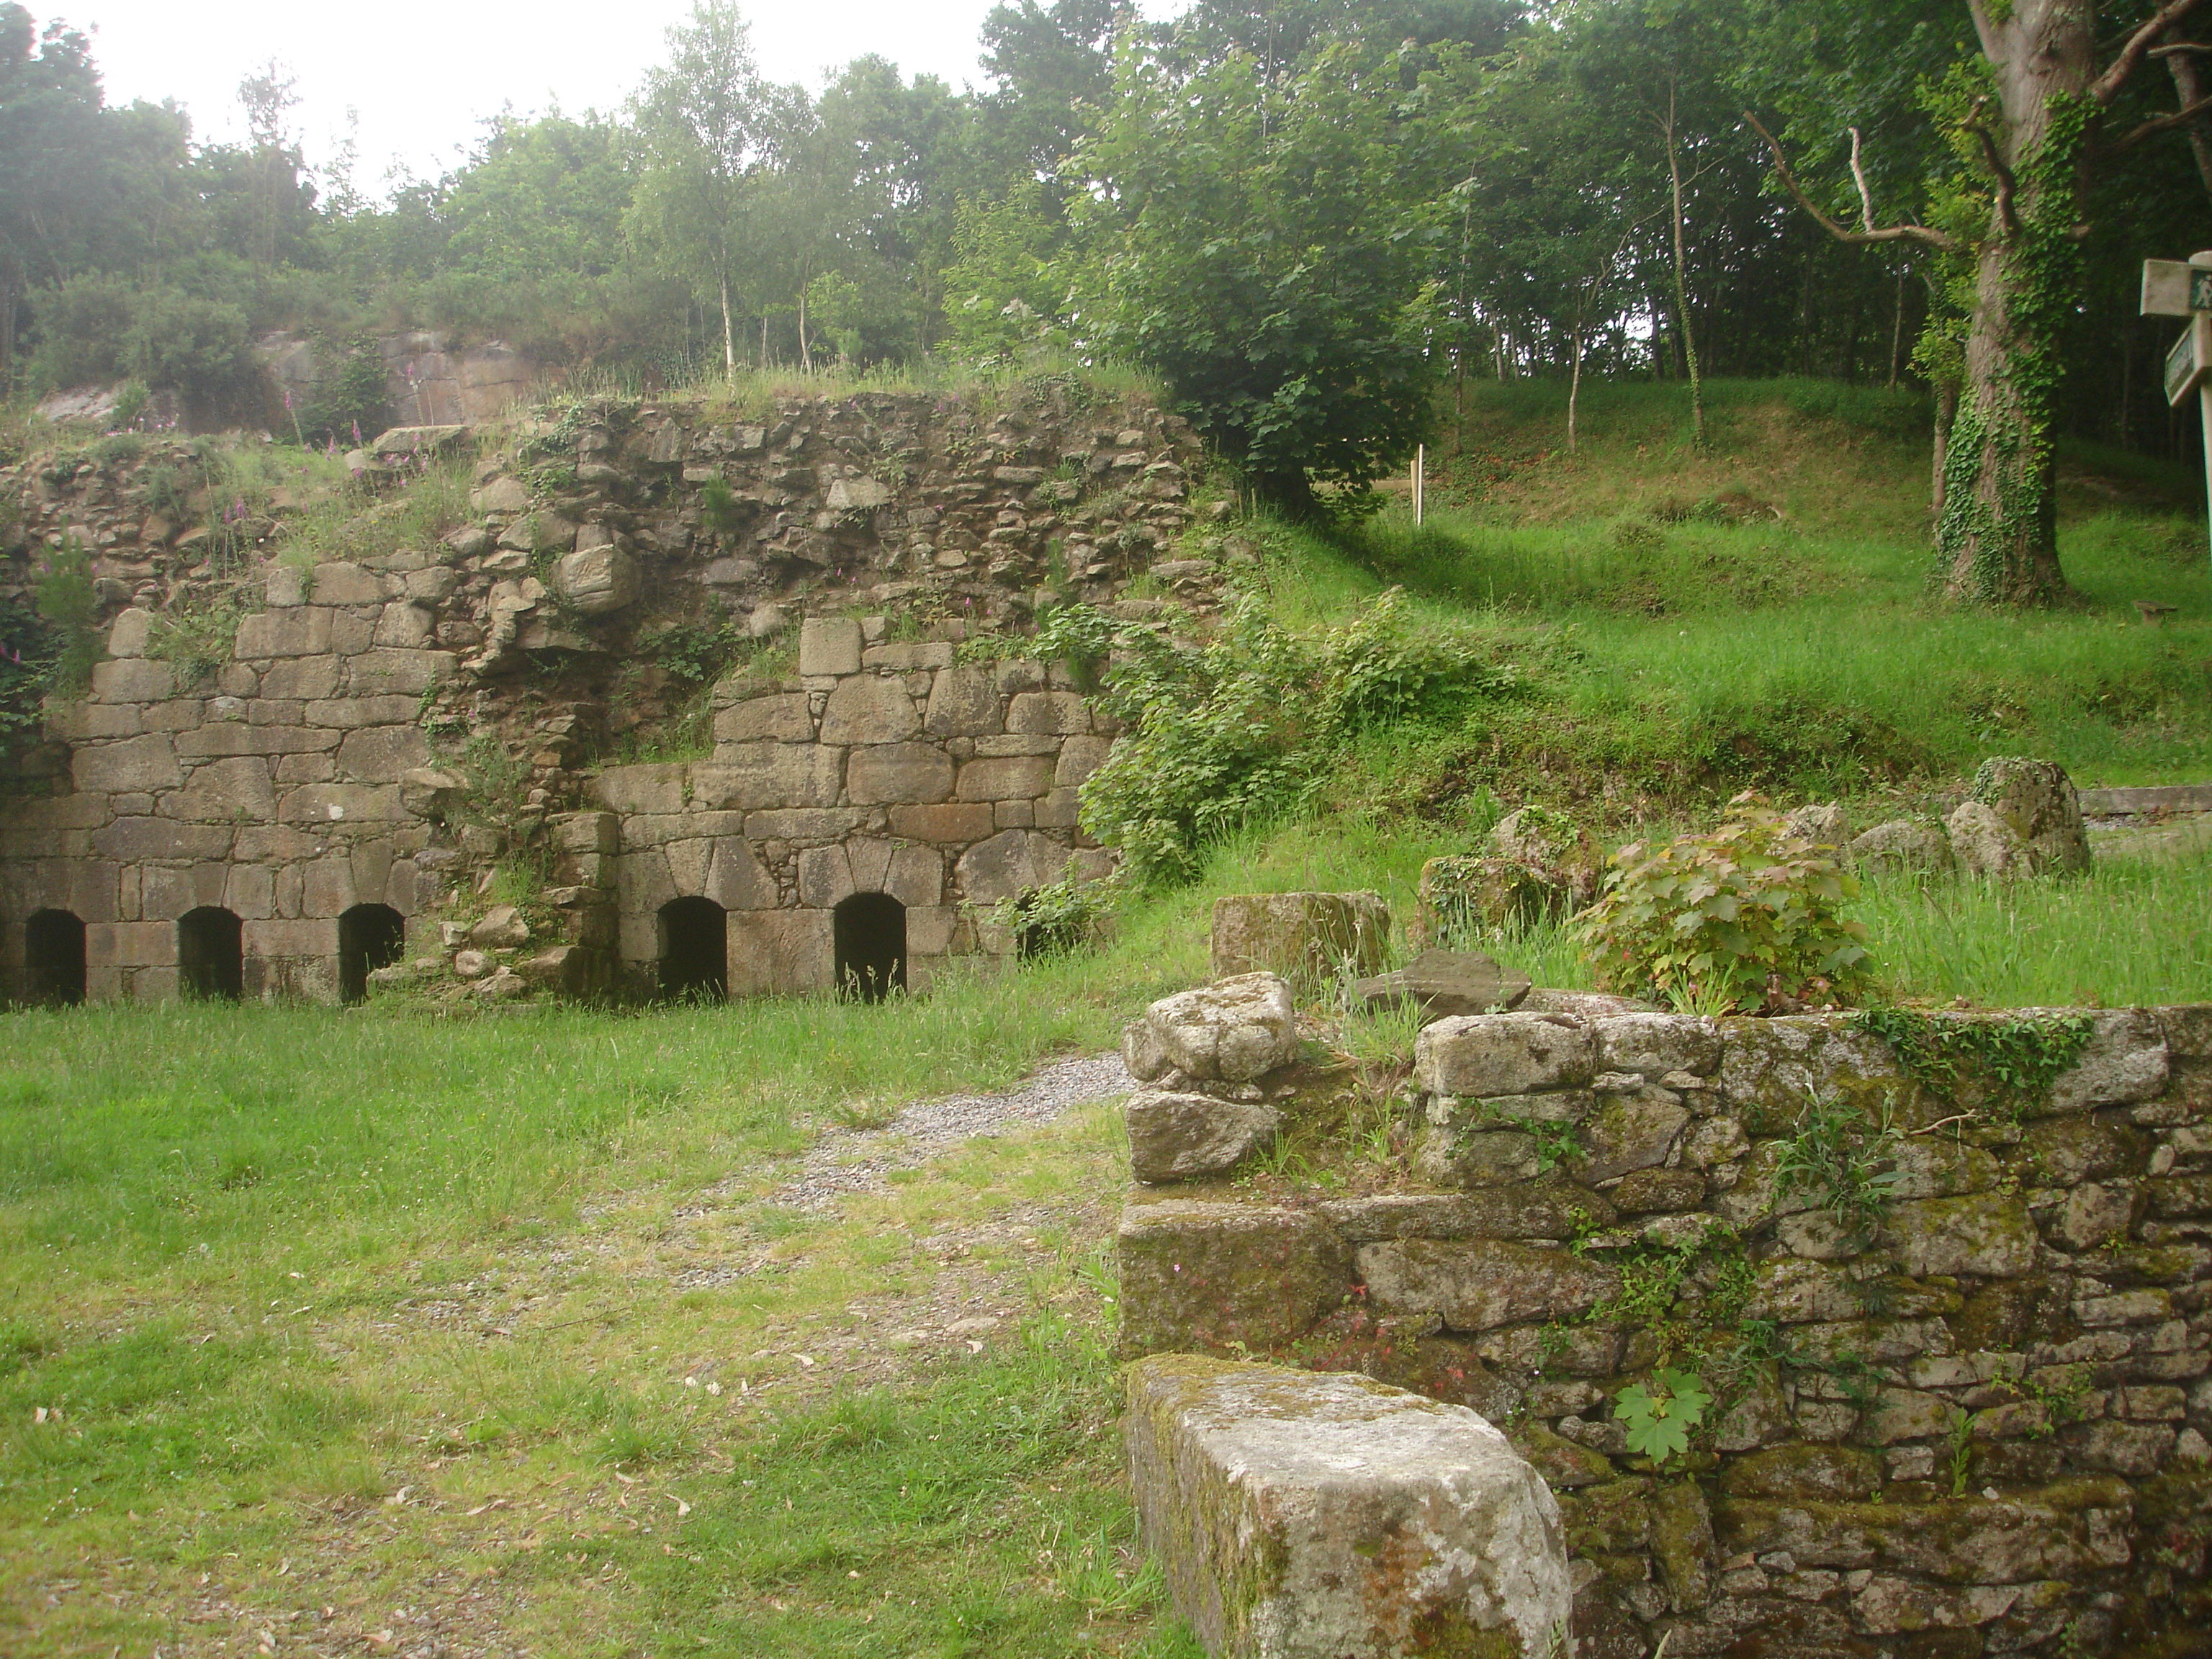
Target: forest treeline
[(1304, 215)]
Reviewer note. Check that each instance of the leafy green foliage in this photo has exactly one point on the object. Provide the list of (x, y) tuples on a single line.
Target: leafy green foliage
[(1060, 916), (1840, 1154), (68, 605), (1264, 250), (197, 641), (350, 401), (2018, 1060), (1746, 915), (720, 509), (1661, 1413), (1237, 730)]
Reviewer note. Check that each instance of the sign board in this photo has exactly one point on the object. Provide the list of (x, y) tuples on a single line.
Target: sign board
[(2174, 287), (2190, 361)]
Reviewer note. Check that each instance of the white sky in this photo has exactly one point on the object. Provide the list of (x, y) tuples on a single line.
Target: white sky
[(424, 73)]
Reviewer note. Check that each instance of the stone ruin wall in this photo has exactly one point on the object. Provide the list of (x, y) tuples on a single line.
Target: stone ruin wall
[(1982, 1430), (332, 761)]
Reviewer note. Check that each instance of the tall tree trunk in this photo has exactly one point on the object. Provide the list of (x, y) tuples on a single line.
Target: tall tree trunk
[(1897, 334), (805, 356), (729, 335), (1682, 284), (1997, 541), (1575, 389)]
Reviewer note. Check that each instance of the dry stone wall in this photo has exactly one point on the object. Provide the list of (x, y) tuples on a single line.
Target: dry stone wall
[(1977, 1422), (387, 734)]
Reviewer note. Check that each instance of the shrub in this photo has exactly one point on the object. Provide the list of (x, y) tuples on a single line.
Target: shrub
[(349, 402), (196, 641), (1239, 730), (1060, 916), (1743, 917), (69, 606), (1841, 1157)]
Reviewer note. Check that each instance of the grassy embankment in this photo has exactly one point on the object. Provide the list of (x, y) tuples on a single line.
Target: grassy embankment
[(356, 1331)]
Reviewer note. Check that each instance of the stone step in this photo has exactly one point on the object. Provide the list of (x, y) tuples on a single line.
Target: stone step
[(2140, 799)]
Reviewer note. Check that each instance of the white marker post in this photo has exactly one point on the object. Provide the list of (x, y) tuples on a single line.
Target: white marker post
[(2172, 288), (1421, 476)]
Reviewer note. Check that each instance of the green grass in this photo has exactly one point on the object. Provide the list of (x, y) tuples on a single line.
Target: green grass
[(1675, 657), (271, 1265)]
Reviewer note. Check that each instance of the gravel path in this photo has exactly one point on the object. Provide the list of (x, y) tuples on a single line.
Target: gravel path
[(859, 1160)]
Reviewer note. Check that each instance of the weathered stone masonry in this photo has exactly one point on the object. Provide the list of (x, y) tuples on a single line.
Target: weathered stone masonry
[(273, 794), (316, 798), (882, 768), (1984, 1429)]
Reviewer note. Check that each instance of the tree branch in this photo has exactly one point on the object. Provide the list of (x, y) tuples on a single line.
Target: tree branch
[(1866, 196), (1891, 234), (2006, 220), (2107, 86), (2158, 124)]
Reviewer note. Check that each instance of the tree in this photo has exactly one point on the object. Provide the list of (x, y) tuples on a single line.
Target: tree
[(702, 124), (269, 96), (2026, 117), (49, 105), (1265, 249), (540, 196)]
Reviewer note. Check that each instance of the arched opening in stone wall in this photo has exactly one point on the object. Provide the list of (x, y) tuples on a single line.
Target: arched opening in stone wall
[(695, 951), (370, 937), (54, 959), (211, 954), (868, 931)]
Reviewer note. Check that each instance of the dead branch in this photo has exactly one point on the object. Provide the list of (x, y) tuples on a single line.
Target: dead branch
[(1866, 196), (2107, 86), (2158, 124), (1889, 234)]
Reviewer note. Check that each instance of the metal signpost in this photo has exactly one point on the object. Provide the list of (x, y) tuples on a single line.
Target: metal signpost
[(2172, 288)]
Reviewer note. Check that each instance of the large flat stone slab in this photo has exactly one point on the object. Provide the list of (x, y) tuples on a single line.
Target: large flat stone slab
[(1446, 984), (1304, 1515)]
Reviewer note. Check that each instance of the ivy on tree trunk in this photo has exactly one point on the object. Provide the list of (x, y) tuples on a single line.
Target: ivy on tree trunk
[(2030, 115)]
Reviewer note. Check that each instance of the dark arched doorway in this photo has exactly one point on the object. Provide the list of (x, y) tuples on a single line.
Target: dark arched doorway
[(54, 959), (695, 951), (370, 937), (211, 954), (868, 931)]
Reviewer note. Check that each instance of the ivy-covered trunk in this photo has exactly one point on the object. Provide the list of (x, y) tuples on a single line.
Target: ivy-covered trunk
[(1996, 539), (1997, 536)]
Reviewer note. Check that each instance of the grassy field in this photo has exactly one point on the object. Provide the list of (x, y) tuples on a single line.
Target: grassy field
[(1757, 613), (351, 1333)]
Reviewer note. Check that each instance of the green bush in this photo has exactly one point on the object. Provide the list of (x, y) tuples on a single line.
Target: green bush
[(1742, 917), (350, 402), (69, 606), (1241, 729), (97, 328)]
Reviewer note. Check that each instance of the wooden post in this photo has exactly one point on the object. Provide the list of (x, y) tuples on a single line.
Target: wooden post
[(1421, 466), (2171, 288)]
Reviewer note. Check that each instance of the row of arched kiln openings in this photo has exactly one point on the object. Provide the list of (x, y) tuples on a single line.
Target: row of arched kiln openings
[(868, 938), (868, 941)]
